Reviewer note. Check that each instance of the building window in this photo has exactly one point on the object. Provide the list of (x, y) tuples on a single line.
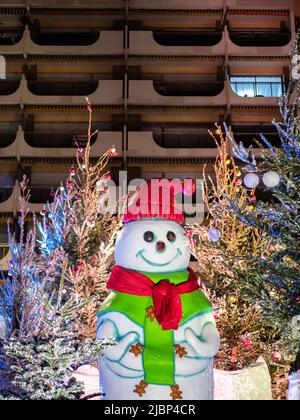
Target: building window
[(251, 86)]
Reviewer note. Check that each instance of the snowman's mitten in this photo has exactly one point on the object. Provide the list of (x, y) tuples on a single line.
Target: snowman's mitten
[(116, 352), (207, 345)]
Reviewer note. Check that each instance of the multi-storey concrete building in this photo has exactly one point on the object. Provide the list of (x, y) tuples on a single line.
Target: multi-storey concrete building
[(159, 73)]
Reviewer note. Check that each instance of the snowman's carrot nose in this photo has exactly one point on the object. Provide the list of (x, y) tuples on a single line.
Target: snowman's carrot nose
[(160, 246)]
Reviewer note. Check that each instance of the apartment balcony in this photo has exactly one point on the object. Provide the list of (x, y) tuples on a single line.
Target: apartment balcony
[(250, 134), (21, 149), (62, 88), (65, 38), (106, 92), (9, 87), (261, 48), (172, 144), (143, 92), (259, 38), (6, 139), (205, 88), (147, 43), (10, 37), (177, 38), (107, 43)]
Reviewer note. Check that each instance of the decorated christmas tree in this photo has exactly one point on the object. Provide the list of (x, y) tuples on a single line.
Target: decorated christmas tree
[(72, 240), (273, 280), (219, 245)]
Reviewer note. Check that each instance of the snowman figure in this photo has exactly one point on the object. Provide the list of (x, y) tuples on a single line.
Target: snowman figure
[(162, 323)]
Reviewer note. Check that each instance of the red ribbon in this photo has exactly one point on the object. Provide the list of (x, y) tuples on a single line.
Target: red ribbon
[(166, 295)]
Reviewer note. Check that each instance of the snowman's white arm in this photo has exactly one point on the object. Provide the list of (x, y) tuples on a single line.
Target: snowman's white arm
[(115, 353), (207, 345)]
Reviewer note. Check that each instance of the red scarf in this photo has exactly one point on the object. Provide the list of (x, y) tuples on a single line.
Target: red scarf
[(166, 295)]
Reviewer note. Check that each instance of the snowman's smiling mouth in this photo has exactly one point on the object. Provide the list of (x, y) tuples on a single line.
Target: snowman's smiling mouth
[(141, 255)]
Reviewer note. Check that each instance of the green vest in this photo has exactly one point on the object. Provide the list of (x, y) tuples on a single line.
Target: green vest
[(158, 352)]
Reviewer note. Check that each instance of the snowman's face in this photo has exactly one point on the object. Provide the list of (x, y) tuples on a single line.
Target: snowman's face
[(154, 246)]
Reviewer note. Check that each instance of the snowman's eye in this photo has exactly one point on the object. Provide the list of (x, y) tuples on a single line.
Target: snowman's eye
[(149, 236), (171, 236)]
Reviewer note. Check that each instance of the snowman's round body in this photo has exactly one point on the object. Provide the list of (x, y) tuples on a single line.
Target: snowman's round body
[(152, 360)]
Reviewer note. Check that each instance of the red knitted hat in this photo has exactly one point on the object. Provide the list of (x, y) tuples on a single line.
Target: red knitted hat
[(155, 199)]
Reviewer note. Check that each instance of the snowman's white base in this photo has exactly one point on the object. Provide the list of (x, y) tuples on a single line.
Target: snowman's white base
[(197, 387)]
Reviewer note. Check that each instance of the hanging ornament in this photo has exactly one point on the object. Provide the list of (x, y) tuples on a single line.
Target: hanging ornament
[(237, 173), (79, 153), (271, 179), (251, 180), (276, 356), (62, 188), (78, 267), (247, 342), (70, 184), (189, 233), (216, 314), (214, 235), (113, 151), (232, 298), (252, 198), (287, 258), (251, 207), (198, 248), (91, 223), (72, 171), (11, 263), (107, 177), (83, 167), (43, 212), (52, 194), (228, 161), (238, 182), (92, 260)]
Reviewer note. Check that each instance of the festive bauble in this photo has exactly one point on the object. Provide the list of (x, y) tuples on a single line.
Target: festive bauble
[(247, 342), (214, 235), (62, 188), (72, 172), (216, 314), (43, 212), (271, 179), (79, 153), (70, 184), (189, 233), (237, 173), (251, 207), (232, 298), (276, 356), (91, 223), (228, 161), (252, 198), (238, 182), (251, 180)]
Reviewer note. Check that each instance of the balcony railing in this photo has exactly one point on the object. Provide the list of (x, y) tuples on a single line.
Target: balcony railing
[(62, 88), (259, 38), (179, 139), (207, 88), (57, 140), (187, 38), (65, 38)]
